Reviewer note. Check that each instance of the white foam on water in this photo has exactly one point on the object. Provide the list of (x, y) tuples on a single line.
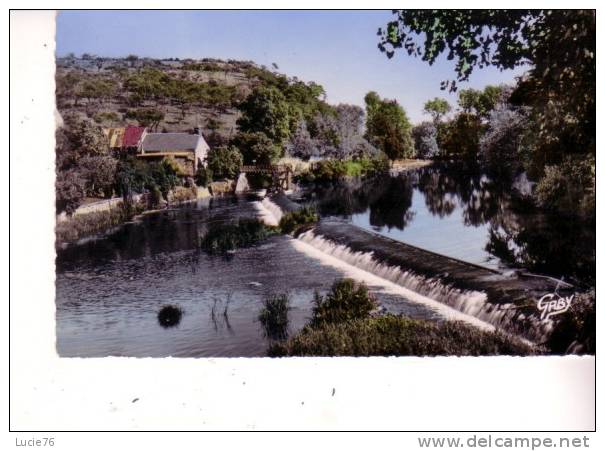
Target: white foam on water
[(269, 212), (387, 286)]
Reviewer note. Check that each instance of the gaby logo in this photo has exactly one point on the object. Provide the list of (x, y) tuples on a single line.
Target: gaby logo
[(552, 304)]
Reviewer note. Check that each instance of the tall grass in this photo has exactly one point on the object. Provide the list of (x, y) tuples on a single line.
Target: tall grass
[(274, 316), (84, 225), (392, 335), (293, 221)]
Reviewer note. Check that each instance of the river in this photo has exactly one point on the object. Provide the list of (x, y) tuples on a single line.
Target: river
[(109, 290)]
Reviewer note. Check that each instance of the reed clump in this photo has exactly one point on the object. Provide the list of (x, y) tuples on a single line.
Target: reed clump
[(274, 316)]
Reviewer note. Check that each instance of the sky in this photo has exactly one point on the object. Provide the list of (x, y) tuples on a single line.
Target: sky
[(337, 49)]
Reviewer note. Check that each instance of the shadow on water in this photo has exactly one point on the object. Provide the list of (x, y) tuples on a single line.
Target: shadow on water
[(465, 213)]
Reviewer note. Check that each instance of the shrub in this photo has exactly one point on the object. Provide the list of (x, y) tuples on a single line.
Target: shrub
[(347, 300), (274, 316), (225, 237), (291, 222), (203, 176), (326, 171), (392, 335)]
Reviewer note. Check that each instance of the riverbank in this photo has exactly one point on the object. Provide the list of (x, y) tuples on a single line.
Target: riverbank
[(104, 216)]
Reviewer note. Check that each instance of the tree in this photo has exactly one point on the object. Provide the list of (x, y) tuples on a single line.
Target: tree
[(266, 111), (256, 148), (425, 140), (502, 146), (437, 108), (388, 127), (99, 173), (460, 137), (146, 117), (224, 162), (70, 189), (480, 103), (558, 45)]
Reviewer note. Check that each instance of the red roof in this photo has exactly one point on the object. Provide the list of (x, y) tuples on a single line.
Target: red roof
[(132, 136)]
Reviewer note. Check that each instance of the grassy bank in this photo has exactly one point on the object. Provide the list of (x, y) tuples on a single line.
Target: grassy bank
[(342, 325), (85, 225), (392, 335), (333, 170), (88, 224)]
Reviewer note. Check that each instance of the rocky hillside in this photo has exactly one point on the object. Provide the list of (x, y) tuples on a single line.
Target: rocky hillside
[(166, 95)]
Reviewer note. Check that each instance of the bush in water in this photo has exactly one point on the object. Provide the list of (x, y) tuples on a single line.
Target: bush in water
[(293, 221), (274, 316), (225, 237), (170, 316), (392, 335), (347, 300)]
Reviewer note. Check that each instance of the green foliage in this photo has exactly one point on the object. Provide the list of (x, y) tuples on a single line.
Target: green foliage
[(388, 127), (347, 300), (558, 45), (326, 171), (222, 238), (70, 189), (392, 335), (459, 139), (99, 172), (146, 117), (575, 330), (569, 186), (203, 176), (106, 116), (135, 176), (81, 226), (274, 316), (256, 148), (479, 103), (437, 108), (266, 111), (224, 162), (293, 221)]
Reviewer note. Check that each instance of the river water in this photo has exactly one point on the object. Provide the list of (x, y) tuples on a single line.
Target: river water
[(110, 290)]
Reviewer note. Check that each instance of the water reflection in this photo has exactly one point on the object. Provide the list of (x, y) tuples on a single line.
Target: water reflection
[(465, 213)]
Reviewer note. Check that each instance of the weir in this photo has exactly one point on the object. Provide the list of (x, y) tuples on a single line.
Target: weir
[(506, 301)]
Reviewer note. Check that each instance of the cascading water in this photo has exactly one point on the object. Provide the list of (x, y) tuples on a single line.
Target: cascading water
[(469, 303)]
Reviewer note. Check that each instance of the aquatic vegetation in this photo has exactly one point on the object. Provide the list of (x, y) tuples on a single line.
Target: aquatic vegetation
[(293, 221), (170, 316), (347, 300), (392, 335), (222, 238), (274, 316)]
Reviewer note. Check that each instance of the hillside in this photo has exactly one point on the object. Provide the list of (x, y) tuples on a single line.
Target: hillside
[(166, 95)]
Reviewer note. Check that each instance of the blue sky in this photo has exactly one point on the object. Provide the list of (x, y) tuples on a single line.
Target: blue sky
[(336, 49)]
